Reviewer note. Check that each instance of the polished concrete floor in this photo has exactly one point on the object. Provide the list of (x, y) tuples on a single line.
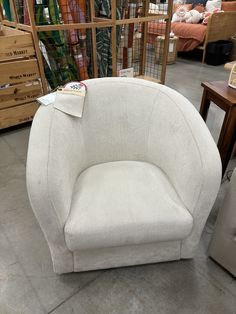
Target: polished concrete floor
[(28, 284)]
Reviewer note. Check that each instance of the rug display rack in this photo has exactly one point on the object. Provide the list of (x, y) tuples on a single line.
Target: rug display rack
[(78, 39)]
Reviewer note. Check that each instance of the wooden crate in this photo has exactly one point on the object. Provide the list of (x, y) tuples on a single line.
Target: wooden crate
[(20, 83), (18, 71), (15, 44), (17, 115), (19, 94)]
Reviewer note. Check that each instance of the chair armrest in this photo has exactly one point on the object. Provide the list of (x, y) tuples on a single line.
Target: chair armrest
[(210, 177), (51, 173), (185, 150), (210, 184), (207, 175)]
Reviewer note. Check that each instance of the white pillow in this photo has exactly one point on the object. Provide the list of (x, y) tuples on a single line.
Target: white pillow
[(211, 5)]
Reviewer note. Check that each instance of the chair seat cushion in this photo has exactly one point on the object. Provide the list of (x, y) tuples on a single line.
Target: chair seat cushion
[(124, 203)]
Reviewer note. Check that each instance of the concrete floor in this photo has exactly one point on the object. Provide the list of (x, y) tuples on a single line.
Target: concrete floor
[(28, 284)]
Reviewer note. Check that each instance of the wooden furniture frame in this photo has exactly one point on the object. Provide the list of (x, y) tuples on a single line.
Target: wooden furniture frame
[(93, 25), (221, 26), (225, 98)]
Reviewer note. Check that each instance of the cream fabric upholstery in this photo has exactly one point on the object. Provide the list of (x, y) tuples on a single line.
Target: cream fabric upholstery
[(128, 120), (133, 203)]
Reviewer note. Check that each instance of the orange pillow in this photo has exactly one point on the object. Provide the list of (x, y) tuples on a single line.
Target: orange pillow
[(228, 6), (200, 8), (188, 7)]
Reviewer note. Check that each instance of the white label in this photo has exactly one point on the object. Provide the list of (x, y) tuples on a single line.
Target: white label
[(126, 72), (171, 47), (47, 99)]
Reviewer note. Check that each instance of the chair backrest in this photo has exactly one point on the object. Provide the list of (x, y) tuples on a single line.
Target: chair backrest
[(126, 119), (133, 119)]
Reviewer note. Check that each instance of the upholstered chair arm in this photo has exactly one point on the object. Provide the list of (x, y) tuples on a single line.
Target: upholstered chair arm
[(211, 172), (52, 168), (186, 152)]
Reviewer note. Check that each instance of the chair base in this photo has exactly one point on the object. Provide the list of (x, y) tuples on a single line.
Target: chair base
[(127, 256)]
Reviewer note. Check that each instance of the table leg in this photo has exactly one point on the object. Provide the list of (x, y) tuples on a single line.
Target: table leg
[(205, 104), (227, 138)]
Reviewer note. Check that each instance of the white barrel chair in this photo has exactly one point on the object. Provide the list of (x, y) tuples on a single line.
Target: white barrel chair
[(130, 182)]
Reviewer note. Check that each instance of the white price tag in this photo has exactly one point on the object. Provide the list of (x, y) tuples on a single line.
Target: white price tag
[(47, 99), (70, 99), (171, 47), (126, 72)]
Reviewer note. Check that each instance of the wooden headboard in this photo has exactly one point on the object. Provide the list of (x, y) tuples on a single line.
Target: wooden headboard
[(221, 26)]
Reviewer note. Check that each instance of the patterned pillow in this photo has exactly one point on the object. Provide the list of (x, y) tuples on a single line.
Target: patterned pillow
[(211, 5)]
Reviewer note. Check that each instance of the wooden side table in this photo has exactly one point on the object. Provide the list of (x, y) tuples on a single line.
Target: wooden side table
[(224, 97)]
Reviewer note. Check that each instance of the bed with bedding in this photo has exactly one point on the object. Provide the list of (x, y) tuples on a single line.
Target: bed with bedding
[(190, 35), (220, 26)]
